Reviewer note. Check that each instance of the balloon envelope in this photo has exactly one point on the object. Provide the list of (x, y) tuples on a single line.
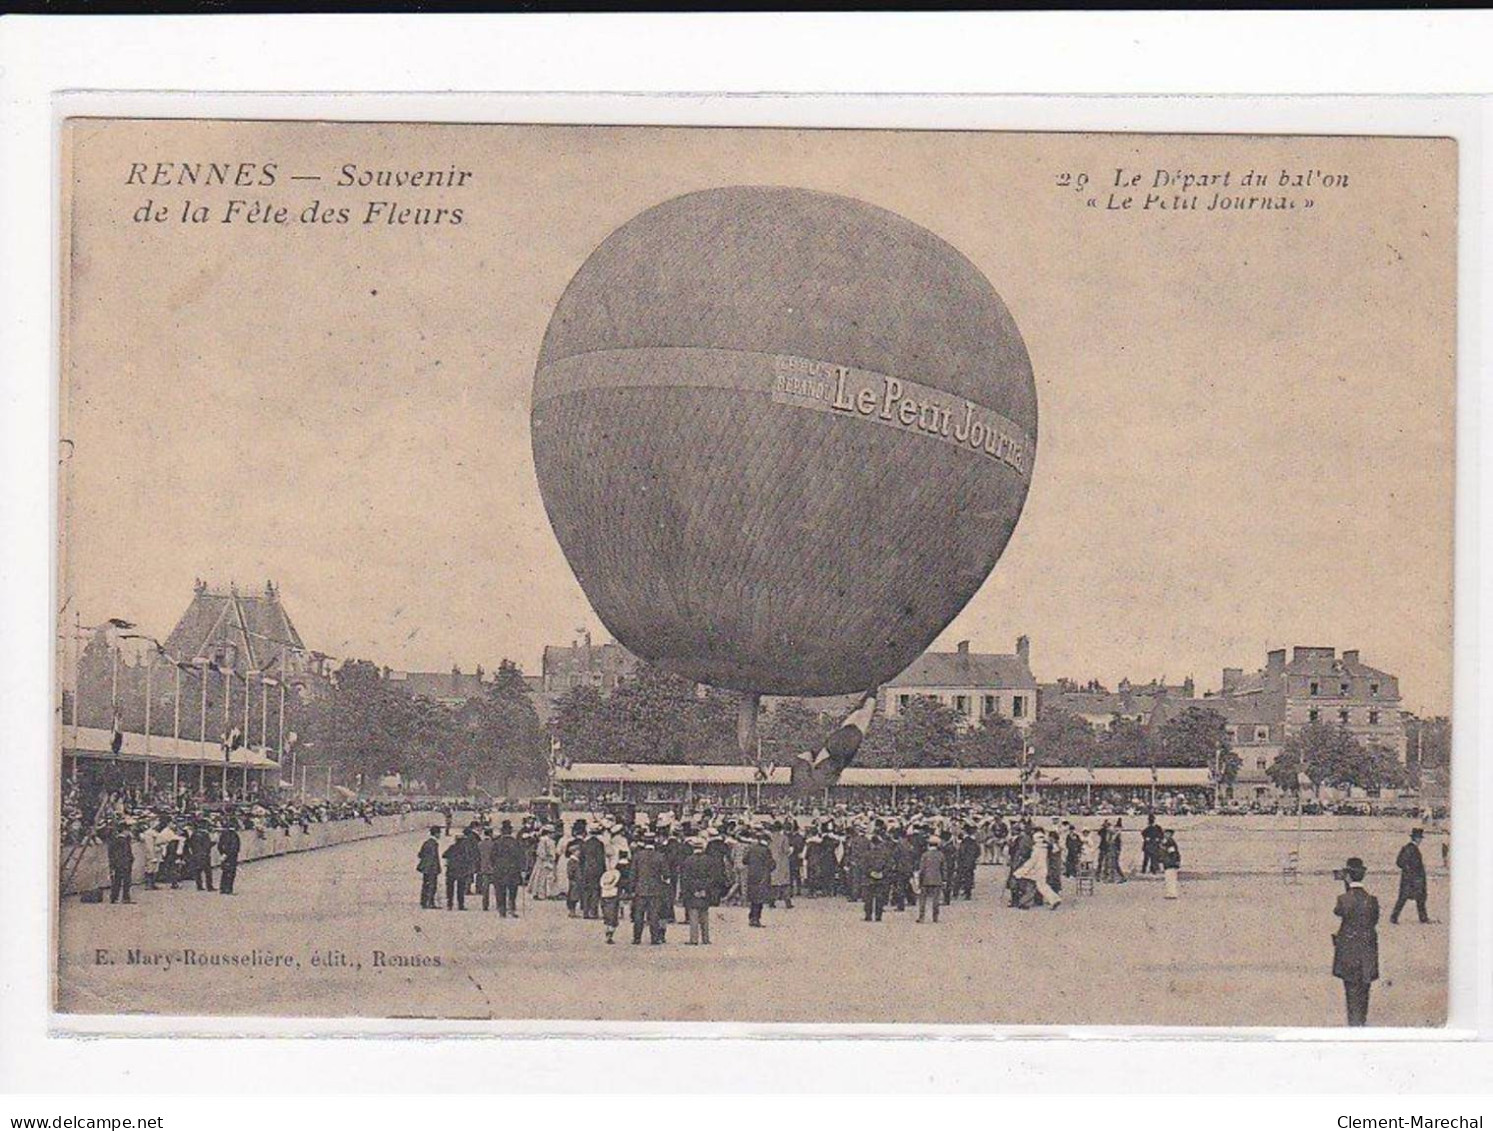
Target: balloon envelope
[(782, 437)]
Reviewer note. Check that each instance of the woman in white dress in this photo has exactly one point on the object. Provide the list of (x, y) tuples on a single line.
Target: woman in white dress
[(543, 883)]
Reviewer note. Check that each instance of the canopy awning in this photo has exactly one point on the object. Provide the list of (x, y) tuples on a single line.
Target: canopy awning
[(95, 742)]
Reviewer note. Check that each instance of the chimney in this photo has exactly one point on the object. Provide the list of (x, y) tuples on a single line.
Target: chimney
[(1350, 656), (1024, 650), (1275, 662), (1232, 678), (1189, 689), (963, 647)]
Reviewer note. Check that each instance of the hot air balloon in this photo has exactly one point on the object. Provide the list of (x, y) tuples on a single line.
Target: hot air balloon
[(782, 437)]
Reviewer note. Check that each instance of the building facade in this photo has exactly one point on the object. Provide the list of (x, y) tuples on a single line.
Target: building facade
[(584, 664), (453, 689), (1098, 706), (977, 685), (1265, 708)]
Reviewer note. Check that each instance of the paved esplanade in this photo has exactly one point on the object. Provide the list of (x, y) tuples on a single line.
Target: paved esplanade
[(1233, 950)]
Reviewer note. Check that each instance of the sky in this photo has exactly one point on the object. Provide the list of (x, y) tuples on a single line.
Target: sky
[(1246, 417)]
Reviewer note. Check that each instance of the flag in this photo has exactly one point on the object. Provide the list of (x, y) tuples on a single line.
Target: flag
[(822, 768)]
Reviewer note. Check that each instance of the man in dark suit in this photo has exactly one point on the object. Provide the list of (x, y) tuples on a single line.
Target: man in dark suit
[(461, 866), (967, 859), (229, 847), (121, 851), (1073, 852), (200, 857), (1355, 952), (593, 864), (1150, 845), (1412, 879), (757, 858), (649, 877), (429, 867), (878, 861), (508, 869)]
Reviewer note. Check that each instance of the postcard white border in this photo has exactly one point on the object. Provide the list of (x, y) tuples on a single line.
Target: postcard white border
[(32, 117)]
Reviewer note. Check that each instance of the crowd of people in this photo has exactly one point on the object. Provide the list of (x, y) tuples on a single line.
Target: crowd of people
[(85, 820), (657, 868), (175, 834), (670, 869)]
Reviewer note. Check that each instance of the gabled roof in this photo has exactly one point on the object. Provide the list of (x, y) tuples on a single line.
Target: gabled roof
[(256, 624), (975, 670)]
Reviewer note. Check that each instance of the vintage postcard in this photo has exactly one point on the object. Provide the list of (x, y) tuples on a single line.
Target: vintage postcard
[(636, 574)]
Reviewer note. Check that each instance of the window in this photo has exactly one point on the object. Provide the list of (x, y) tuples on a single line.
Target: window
[(961, 704), (1373, 689), (1018, 706), (1313, 715), (1316, 688), (1262, 734), (991, 706), (1260, 763), (1342, 716), (1373, 718), (1345, 687), (903, 701)]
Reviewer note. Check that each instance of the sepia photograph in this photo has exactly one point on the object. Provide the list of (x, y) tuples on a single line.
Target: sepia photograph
[(847, 577)]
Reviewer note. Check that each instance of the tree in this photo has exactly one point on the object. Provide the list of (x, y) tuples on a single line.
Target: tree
[(365, 727), (997, 741), (1285, 772), (1199, 737), (501, 742), (1332, 755), (651, 717), (1428, 746), (1063, 739), (923, 733), (507, 680), (580, 724), (1127, 742), (793, 727), (929, 734)]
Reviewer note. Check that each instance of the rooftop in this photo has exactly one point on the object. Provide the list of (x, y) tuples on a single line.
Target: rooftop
[(966, 669), (251, 629)]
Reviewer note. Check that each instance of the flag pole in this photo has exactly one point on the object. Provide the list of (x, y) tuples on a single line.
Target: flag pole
[(280, 742), (77, 663), (149, 665), (202, 736)]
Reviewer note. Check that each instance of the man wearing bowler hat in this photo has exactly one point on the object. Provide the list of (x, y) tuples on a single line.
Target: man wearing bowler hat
[(1412, 878), (1355, 954), (429, 867)]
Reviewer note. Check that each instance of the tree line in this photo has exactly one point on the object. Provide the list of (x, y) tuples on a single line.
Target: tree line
[(365, 728), (654, 717)]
